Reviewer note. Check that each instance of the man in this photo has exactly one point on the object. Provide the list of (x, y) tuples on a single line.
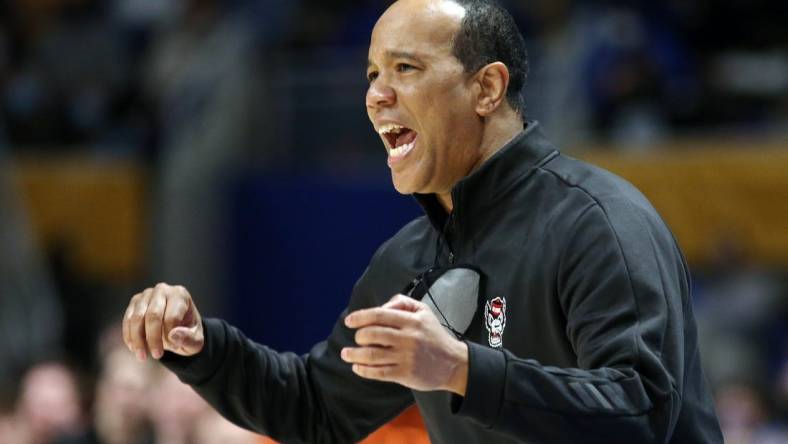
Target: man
[(583, 331)]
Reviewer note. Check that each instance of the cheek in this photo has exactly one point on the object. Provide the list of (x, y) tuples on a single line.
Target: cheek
[(369, 108), (458, 114)]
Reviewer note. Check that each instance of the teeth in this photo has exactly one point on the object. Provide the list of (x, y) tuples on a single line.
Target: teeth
[(390, 128), (402, 150)]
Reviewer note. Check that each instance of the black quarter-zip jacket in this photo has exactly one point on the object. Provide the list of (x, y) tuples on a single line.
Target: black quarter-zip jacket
[(599, 343)]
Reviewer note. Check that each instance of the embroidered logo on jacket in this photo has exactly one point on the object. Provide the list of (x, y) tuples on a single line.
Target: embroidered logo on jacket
[(495, 320)]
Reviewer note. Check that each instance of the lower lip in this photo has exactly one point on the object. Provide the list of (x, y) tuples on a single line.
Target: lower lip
[(392, 161)]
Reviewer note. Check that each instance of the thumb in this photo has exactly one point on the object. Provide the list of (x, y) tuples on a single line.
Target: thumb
[(402, 302), (186, 341)]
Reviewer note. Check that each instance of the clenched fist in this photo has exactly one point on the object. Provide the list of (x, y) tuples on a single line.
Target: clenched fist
[(163, 318)]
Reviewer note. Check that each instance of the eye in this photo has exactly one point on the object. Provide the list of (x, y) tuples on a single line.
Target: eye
[(371, 76), (404, 67)]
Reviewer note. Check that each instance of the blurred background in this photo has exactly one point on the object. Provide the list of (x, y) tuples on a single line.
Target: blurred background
[(224, 145)]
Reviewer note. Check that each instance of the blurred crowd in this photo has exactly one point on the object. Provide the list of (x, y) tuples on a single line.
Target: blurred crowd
[(742, 313), (133, 77), (130, 402), (198, 90)]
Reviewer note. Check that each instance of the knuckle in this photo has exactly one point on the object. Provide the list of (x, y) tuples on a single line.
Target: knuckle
[(137, 316), (182, 298), (161, 286), (153, 314), (169, 317)]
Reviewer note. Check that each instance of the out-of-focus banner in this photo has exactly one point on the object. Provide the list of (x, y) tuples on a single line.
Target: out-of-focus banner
[(713, 195)]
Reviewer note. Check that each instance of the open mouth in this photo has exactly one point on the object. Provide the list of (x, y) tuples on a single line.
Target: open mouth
[(399, 139)]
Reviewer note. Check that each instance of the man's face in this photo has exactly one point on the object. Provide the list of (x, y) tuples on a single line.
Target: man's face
[(420, 100)]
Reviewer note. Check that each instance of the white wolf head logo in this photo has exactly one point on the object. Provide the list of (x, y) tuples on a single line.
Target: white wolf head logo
[(495, 320)]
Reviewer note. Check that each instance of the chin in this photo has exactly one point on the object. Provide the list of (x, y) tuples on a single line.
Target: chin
[(403, 186), (403, 190)]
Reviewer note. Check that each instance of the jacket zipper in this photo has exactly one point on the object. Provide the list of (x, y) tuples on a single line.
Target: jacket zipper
[(451, 228)]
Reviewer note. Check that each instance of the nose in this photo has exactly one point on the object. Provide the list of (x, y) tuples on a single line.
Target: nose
[(380, 95)]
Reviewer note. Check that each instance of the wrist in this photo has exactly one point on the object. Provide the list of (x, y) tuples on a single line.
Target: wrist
[(458, 381)]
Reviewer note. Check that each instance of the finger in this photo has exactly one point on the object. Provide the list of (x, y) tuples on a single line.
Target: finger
[(127, 321), (376, 356), (379, 316), (137, 324), (382, 373), (187, 340), (175, 312), (377, 335), (402, 302), (153, 320)]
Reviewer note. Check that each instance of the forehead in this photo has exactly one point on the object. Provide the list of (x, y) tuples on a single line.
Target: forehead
[(425, 27)]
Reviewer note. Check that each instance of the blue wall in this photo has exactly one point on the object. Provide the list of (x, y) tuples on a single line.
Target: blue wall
[(298, 245)]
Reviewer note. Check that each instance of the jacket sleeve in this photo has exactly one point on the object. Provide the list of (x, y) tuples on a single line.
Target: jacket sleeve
[(313, 398), (623, 287)]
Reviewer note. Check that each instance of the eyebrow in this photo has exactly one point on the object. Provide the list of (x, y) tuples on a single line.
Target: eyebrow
[(394, 54)]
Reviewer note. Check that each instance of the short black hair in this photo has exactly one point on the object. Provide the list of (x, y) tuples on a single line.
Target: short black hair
[(489, 34)]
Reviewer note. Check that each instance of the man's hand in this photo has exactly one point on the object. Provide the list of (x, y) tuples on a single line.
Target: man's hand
[(163, 318), (403, 342)]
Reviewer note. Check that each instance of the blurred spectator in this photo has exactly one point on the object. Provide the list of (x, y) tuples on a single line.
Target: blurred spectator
[(49, 405), (119, 408), (640, 77), (605, 71), (174, 409), (746, 417), (739, 304), (213, 429), (10, 430)]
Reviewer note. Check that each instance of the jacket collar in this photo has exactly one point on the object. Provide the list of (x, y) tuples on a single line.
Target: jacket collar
[(477, 193)]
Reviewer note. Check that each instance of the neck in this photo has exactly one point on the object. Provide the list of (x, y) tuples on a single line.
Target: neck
[(445, 201), (496, 134)]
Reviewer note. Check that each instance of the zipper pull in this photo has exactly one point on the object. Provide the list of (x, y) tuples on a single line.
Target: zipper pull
[(451, 258), (408, 291)]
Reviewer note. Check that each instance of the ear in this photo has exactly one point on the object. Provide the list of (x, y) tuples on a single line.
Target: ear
[(493, 81)]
